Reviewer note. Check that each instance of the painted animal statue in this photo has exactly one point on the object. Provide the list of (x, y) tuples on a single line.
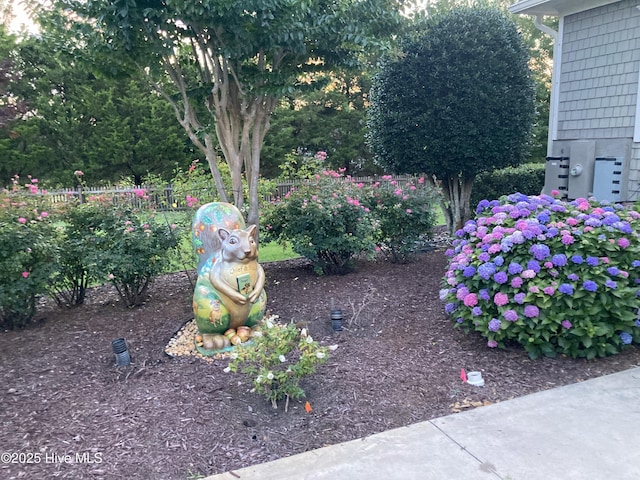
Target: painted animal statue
[(229, 292)]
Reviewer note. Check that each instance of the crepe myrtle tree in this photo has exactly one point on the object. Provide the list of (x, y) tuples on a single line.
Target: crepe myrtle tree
[(230, 62), (457, 101)]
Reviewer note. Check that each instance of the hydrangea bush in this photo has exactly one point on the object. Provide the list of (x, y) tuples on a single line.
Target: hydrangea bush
[(553, 276)]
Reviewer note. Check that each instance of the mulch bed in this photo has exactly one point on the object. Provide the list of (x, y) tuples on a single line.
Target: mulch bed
[(63, 402)]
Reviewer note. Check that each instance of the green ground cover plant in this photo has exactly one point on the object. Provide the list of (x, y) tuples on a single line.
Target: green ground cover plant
[(552, 276)]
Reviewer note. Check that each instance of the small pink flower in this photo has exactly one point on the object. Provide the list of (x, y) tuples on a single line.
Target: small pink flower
[(623, 242), (471, 300), (492, 344), (44, 214), (78, 173), (408, 210), (25, 274), (500, 299), (22, 220)]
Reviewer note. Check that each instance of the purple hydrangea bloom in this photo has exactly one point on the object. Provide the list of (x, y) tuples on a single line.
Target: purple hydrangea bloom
[(577, 259), (552, 232), (510, 315), (611, 284), (531, 311), (635, 263), (559, 260), (499, 260), (482, 205), (494, 325), (519, 298), (567, 240), (590, 286), (566, 324), (539, 251), (573, 277), (484, 294), (626, 338), (450, 308), (500, 277), (484, 257), (476, 311), (566, 288)]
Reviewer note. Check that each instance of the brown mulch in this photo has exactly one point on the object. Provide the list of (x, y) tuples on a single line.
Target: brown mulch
[(398, 362)]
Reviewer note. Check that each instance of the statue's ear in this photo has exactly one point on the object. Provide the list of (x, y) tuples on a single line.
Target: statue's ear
[(223, 233), (253, 230)]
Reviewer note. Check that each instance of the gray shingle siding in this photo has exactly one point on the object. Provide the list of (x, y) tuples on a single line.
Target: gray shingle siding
[(599, 74)]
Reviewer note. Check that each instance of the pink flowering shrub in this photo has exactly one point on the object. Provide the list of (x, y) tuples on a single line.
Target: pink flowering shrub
[(325, 221), (28, 252), (552, 276), (404, 214)]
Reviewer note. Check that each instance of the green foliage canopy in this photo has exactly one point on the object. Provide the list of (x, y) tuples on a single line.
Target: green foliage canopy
[(458, 100)]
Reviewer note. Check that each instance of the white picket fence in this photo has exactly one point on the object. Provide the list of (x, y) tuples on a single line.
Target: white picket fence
[(165, 199)]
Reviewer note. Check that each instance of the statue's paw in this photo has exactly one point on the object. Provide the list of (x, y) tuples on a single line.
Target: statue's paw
[(214, 341)]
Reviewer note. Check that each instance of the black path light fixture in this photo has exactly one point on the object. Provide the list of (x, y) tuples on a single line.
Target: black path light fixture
[(119, 347)]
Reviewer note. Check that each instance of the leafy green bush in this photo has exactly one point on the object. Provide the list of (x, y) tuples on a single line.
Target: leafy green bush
[(325, 221), (404, 214), (553, 276), (28, 253), (82, 238), (527, 178), (134, 249), (277, 359)]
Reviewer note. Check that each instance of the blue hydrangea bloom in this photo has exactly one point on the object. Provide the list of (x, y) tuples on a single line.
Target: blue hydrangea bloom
[(611, 284), (484, 294), (515, 268), (499, 260), (592, 261), (533, 265), (494, 325), (559, 260), (626, 338), (450, 308), (566, 288), (476, 311), (590, 286), (469, 271), (539, 251), (577, 259), (486, 270), (613, 271)]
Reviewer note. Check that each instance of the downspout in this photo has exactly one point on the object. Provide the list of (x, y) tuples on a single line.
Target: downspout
[(555, 81), (544, 28)]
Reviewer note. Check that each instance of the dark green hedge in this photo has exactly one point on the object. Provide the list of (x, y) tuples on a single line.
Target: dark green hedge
[(527, 178)]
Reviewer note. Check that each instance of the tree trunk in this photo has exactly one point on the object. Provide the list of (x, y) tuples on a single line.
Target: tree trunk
[(457, 199)]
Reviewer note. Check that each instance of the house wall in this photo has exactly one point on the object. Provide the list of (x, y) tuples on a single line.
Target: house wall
[(599, 79)]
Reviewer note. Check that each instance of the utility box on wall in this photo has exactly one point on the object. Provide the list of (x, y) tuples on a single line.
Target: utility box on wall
[(556, 176), (607, 179), (581, 164)]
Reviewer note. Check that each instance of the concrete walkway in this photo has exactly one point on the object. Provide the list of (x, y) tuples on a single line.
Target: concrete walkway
[(584, 431)]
